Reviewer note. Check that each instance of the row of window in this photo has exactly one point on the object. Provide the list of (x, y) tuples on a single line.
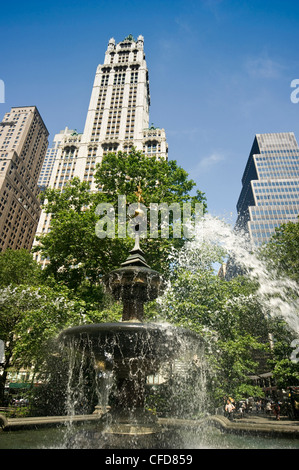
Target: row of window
[(276, 183), (264, 226), (123, 56), (276, 202), (17, 228), (119, 79), (266, 152), (276, 190), (256, 213), (279, 174)]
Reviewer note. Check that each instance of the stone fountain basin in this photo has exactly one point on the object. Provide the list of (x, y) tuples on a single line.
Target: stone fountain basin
[(145, 344)]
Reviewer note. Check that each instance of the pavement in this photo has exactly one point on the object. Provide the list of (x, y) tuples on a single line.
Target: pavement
[(10, 424), (258, 424)]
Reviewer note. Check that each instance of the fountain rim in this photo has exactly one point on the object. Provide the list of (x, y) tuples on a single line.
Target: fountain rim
[(129, 326)]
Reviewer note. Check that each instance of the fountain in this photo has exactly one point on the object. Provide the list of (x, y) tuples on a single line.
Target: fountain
[(131, 350), (124, 353)]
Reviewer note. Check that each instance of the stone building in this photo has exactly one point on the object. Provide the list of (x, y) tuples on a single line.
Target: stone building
[(23, 145)]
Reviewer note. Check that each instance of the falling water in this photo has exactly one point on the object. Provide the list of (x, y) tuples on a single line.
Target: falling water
[(110, 352), (278, 294)]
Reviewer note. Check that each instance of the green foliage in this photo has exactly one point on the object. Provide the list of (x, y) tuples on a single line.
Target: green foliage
[(281, 254), (29, 316), (285, 371), (76, 254), (282, 250), (227, 314), (32, 316), (233, 361), (160, 180), (18, 267)]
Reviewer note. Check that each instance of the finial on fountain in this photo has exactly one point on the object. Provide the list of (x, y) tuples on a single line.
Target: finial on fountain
[(136, 254), (138, 194)]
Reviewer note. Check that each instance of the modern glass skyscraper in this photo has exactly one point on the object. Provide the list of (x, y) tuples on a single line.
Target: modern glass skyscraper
[(270, 186)]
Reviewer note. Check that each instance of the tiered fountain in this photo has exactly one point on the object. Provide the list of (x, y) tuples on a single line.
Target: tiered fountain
[(131, 349)]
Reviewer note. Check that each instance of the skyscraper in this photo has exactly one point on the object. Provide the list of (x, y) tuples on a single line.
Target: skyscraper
[(117, 119), (23, 145), (270, 186), (46, 171)]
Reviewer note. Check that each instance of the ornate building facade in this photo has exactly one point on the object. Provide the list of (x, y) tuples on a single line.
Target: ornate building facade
[(117, 119)]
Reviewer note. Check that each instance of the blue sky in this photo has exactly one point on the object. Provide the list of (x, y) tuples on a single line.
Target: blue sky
[(220, 72)]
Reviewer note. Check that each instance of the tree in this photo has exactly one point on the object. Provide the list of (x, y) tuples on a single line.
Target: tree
[(28, 317), (160, 180), (281, 256), (226, 314), (18, 267), (282, 250), (285, 370), (77, 256), (31, 317)]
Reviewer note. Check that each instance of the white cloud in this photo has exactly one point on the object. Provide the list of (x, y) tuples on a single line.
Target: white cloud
[(263, 67), (211, 160), (206, 163)]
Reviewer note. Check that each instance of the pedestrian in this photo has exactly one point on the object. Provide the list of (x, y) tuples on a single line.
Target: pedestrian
[(276, 409), (229, 408), (258, 406), (268, 408), (242, 408)]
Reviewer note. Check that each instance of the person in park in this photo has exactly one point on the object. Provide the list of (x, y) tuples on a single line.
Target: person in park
[(276, 409), (229, 408)]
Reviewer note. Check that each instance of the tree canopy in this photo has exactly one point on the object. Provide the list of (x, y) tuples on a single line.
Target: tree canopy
[(18, 267), (282, 250), (281, 255), (226, 314), (77, 256)]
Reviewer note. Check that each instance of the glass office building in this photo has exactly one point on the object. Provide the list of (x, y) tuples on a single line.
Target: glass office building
[(270, 186)]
